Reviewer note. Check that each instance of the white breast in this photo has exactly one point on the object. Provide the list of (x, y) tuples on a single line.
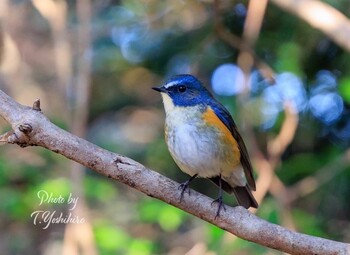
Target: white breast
[(196, 147), (193, 146)]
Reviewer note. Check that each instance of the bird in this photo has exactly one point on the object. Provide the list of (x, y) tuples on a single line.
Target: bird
[(204, 141)]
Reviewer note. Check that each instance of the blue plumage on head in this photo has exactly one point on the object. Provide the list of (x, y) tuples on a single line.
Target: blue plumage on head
[(187, 90)]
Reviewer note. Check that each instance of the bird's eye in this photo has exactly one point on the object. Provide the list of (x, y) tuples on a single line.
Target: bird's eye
[(182, 88)]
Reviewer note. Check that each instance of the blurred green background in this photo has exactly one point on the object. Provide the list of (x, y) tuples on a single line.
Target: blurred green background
[(93, 63)]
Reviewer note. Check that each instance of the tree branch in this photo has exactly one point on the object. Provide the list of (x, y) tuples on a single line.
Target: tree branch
[(323, 175), (321, 16), (31, 127)]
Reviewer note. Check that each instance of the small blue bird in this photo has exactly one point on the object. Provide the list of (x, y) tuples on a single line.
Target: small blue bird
[(203, 139)]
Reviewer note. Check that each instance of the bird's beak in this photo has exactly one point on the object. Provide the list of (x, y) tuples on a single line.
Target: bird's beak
[(160, 89)]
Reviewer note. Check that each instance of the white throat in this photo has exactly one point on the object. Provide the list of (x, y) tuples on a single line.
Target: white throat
[(168, 103)]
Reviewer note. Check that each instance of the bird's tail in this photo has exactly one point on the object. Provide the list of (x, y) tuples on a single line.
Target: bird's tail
[(245, 197), (243, 194)]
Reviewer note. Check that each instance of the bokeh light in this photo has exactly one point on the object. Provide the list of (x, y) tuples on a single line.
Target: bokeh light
[(325, 81), (326, 107), (227, 80), (325, 102), (288, 88), (129, 39)]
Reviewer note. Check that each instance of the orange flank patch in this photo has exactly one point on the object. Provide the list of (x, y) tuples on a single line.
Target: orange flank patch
[(211, 119)]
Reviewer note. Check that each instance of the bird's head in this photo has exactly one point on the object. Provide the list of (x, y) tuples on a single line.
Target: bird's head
[(183, 90)]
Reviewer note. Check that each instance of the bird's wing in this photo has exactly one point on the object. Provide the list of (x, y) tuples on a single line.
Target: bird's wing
[(226, 118)]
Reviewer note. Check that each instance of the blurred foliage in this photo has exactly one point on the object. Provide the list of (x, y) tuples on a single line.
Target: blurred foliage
[(135, 45)]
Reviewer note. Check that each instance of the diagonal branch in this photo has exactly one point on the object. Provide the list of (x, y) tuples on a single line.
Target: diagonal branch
[(31, 127), (322, 16), (323, 175)]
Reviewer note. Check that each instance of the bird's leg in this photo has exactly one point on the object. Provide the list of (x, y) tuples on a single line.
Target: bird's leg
[(185, 185), (219, 200)]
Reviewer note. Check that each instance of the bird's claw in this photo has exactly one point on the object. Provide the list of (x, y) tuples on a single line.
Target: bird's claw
[(220, 205), (183, 187)]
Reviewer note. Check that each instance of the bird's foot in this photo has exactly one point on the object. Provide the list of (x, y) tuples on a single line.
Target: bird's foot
[(183, 187), (220, 205)]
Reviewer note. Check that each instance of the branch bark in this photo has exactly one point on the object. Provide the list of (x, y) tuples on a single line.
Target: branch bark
[(32, 128)]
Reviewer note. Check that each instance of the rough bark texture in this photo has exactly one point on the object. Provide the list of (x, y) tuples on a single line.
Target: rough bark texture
[(32, 128)]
